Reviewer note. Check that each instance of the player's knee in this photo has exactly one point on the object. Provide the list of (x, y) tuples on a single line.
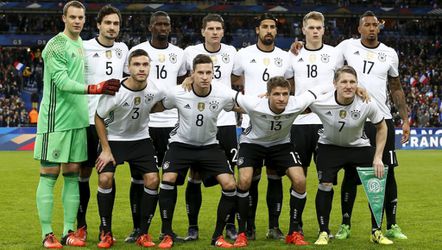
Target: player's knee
[(228, 183), (299, 183), (105, 180), (170, 177), (54, 171), (325, 186), (151, 180), (245, 178)]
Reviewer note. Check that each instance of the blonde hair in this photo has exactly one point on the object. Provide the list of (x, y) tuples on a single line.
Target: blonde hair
[(315, 15)]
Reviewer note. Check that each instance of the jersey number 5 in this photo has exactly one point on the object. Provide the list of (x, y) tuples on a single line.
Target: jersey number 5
[(109, 69)]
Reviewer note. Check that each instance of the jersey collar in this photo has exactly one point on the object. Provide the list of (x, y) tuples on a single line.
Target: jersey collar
[(96, 39), (150, 42), (210, 91), (322, 46), (204, 45), (265, 51), (336, 100), (375, 47), (126, 87)]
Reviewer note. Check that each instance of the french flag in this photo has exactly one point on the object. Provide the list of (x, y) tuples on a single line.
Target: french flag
[(413, 81), (19, 66), (423, 79)]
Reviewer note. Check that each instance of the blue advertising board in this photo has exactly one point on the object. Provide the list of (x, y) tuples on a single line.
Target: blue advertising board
[(420, 138)]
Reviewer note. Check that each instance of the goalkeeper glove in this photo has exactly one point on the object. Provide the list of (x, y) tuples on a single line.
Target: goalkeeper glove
[(108, 87)]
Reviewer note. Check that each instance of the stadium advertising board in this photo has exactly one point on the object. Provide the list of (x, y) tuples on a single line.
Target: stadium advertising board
[(420, 138)]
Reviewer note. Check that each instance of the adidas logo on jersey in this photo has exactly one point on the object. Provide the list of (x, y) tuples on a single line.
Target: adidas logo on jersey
[(329, 113), (187, 106), (253, 61), (300, 60), (96, 55), (356, 53), (126, 104), (73, 55)]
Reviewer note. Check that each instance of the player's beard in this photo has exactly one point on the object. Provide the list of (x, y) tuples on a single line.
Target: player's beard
[(267, 41), (162, 37)]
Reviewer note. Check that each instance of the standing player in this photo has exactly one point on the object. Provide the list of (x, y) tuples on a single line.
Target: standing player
[(193, 144), (377, 67), (222, 56), (343, 143), (313, 66), (104, 59), (122, 127), (268, 141), (258, 63), (167, 69), (61, 128)]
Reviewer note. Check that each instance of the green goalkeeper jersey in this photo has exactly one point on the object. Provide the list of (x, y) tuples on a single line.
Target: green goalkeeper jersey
[(64, 105)]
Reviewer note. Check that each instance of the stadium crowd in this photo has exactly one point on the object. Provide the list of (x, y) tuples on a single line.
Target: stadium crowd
[(419, 53)]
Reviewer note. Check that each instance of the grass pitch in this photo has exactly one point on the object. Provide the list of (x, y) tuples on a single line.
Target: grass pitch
[(419, 209)]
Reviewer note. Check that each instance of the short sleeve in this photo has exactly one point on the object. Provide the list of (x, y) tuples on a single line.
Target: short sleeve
[(374, 114), (237, 65), (393, 70), (106, 104)]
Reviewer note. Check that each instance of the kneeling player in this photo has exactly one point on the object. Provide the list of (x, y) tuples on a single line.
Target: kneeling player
[(268, 140), (193, 144), (126, 116), (344, 144)]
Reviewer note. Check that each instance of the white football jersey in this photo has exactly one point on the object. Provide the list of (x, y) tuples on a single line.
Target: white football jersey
[(126, 114), (344, 124), (267, 128), (258, 67), (102, 63), (166, 65), (373, 66), (197, 115), (313, 68), (223, 60)]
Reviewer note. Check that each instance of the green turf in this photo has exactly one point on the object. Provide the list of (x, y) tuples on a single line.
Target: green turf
[(419, 211)]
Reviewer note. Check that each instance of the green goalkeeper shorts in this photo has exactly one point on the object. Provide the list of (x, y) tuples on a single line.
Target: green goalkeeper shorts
[(61, 147)]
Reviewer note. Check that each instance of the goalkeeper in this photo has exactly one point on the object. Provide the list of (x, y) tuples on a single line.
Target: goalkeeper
[(61, 128)]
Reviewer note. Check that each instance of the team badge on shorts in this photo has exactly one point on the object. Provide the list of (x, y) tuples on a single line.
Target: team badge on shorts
[(213, 106), (201, 106), (355, 114), (56, 153), (225, 58), (166, 165), (342, 114), (108, 54), (325, 58), (240, 161), (172, 58)]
